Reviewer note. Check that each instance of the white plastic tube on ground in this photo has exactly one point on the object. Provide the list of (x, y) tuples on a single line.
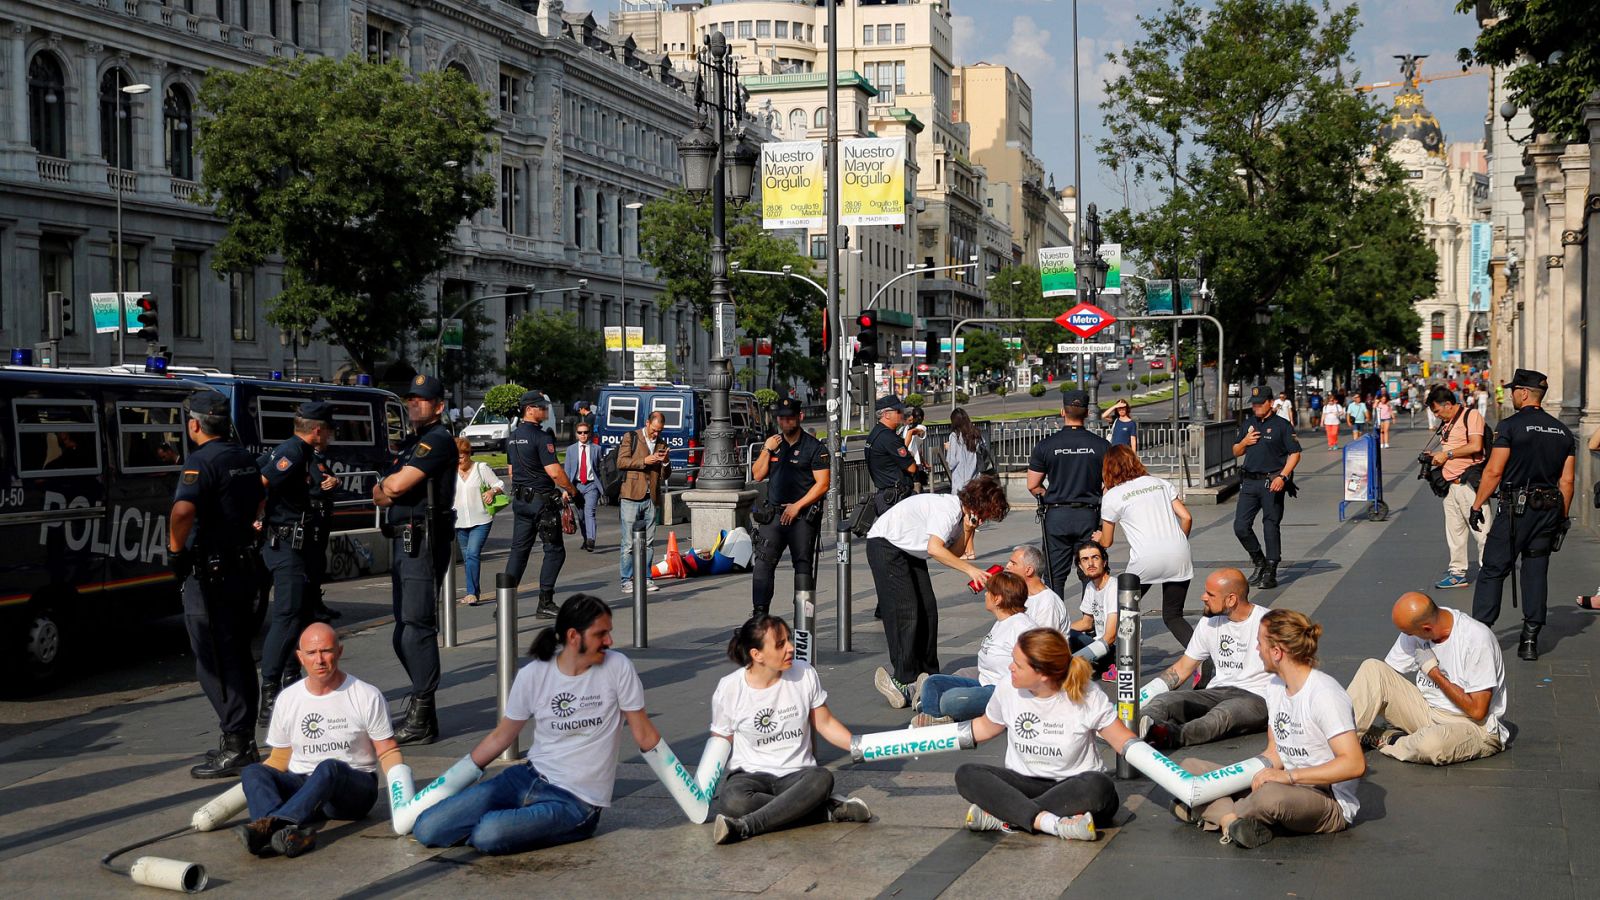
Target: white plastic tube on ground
[(169, 874), (912, 742), (1094, 651), (218, 811), (406, 803), (1187, 788), (693, 792), (1155, 687)]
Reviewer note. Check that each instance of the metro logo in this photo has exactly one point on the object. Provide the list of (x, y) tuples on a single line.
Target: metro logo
[(1085, 320)]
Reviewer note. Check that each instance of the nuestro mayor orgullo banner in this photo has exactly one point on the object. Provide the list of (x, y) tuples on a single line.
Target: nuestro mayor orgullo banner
[(872, 181), (792, 185)]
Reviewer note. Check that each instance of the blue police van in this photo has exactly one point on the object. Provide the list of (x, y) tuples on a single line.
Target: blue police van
[(624, 407)]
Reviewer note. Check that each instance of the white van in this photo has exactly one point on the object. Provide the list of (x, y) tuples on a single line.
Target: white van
[(487, 431)]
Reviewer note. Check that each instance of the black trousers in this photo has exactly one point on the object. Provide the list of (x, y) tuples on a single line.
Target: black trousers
[(766, 803), (1257, 497), (1529, 537), (216, 615), (1018, 799), (525, 530), (414, 582), (772, 539), (910, 609), (1173, 595), (1064, 528), (293, 596)]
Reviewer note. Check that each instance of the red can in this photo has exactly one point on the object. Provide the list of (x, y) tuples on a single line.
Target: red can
[(978, 588)]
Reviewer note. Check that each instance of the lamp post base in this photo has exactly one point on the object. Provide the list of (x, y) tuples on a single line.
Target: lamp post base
[(712, 512)]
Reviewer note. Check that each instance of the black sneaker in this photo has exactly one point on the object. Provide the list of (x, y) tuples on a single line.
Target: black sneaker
[(726, 830), (293, 841)]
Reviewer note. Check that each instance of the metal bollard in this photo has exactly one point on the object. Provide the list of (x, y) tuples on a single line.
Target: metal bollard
[(805, 611), (1127, 660), (841, 578), (505, 636), (447, 612), (641, 578)]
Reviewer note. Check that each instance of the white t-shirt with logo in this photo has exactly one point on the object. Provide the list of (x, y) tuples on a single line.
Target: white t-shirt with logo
[(1047, 611), (1232, 647), (1304, 722), (577, 722), (1099, 604), (1158, 550), (1051, 737), (1470, 658), (770, 727), (909, 523), (994, 651), (341, 725)]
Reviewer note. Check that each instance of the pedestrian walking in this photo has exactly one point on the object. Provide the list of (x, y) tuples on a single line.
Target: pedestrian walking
[(795, 466), (964, 450), (1385, 416), (1064, 473), (1268, 454), (583, 470), (1357, 414), (642, 460), (1155, 523), (476, 487), (539, 487), (1332, 416), (1460, 460)]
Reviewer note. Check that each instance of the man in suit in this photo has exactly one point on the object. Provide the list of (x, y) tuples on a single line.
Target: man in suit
[(583, 470)]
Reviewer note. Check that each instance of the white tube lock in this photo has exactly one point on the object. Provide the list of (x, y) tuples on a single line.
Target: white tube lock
[(912, 742), (169, 874), (693, 792), (218, 811), (405, 805)]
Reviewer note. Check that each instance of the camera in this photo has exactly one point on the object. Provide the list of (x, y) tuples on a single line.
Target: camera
[(1425, 459)]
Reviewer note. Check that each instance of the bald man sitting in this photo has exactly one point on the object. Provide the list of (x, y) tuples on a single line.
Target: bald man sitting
[(329, 735), (1235, 701), (1442, 688)]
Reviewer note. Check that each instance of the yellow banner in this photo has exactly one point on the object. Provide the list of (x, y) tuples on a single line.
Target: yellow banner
[(793, 185), (873, 181)]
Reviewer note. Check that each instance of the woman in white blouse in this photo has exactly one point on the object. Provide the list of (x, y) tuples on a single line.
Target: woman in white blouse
[(476, 486)]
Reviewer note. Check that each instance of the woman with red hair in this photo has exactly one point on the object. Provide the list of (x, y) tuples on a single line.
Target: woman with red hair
[(1156, 524)]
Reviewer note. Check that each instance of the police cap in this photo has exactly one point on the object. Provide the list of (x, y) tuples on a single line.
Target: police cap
[(1260, 394), (532, 398), (316, 411), (788, 406), (1079, 399), (208, 403), (426, 387), (890, 401), (1528, 378)]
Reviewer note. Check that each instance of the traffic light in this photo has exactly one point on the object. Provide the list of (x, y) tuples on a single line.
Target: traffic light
[(933, 346), (149, 322), (58, 316), (867, 337)]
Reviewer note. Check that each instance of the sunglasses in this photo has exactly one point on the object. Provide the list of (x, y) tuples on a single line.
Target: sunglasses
[(583, 433)]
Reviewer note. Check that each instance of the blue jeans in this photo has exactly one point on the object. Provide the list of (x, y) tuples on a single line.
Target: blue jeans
[(333, 790), (472, 541), (959, 698), (515, 811), (633, 510)]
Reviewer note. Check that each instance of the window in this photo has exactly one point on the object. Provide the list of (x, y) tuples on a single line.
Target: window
[(899, 77), (177, 113), (186, 294), (242, 305), (222, 11), (47, 106), (56, 437), (820, 120), (622, 412), (782, 29), (244, 14), (797, 124), (116, 119), (273, 12), (726, 28), (294, 21), (866, 34), (510, 93), (352, 423), (510, 198), (671, 409), (275, 418), (55, 272), (150, 437), (884, 33), (819, 246), (808, 33), (580, 225), (900, 34), (602, 222), (395, 422), (381, 42), (744, 28), (130, 267), (764, 28)]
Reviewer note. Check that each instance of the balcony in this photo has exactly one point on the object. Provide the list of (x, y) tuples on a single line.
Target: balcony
[(54, 169), (123, 180), (185, 191)]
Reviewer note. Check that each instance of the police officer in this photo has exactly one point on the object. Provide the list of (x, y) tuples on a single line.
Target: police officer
[(418, 491), (1271, 451), (795, 466), (1064, 473), (294, 483), (1530, 471), (211, 542), (538, 482), (889, 462)]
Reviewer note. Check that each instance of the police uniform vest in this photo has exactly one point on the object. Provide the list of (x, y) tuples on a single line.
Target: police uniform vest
[(1539, 446), (433, 451), (1071, 461), (294, 479), (792, 466), (1267, 456), (528, 450), (223, 482), (888, 460)]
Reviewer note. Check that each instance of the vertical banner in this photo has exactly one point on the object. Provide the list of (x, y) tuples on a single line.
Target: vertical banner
[(1058, 272), (454, 336), (104, 309), (614, 338), (793, 183), (1158, 296), (872, 181), (1478, 278), (1112, 254)]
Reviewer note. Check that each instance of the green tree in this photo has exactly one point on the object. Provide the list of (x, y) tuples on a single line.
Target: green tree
[(477, 359), (502, 399), (552, 352), (1551, 45), (984, 352), (1024, 300), (356, 174)]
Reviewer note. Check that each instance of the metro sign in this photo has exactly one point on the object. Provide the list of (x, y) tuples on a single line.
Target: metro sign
[(1085, 320)]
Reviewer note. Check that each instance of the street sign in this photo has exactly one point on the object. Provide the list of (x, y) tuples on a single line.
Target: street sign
[(1086, 348), (1085, 320)]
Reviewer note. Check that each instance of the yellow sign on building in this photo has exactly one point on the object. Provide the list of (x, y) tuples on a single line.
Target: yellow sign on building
[(872, 174), (793, 183)]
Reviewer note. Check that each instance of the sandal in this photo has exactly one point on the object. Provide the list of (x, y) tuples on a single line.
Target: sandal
[(1591, 602), (469, 600)]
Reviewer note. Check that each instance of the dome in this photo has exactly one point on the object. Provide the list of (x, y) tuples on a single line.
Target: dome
[(1409, 118)]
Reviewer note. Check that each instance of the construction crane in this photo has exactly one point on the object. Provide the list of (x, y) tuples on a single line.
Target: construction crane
[(1421, 79)]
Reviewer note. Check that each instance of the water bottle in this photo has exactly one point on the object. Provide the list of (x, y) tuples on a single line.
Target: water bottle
[(978, 588)]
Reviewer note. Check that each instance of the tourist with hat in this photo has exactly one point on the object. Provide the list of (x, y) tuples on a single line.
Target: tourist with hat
[(1268, 452), (795, 466)]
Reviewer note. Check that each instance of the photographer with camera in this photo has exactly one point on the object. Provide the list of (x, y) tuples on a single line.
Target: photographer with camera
[(1454, 472), (797, 465)]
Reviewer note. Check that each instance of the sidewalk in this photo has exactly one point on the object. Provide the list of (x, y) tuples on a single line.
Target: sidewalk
[(77, 787)]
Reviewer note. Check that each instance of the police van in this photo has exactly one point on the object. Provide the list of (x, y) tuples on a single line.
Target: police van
[(624, 407), (88, 463)]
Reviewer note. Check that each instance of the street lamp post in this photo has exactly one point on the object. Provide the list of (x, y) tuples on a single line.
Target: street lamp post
[(622, 312), (1090, 264), (123, 112)]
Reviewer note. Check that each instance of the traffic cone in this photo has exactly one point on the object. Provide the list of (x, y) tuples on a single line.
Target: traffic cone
[(676, 558)]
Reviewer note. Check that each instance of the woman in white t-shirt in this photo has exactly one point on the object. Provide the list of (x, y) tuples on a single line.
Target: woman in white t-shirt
[(476, 485), (1054, 781), (958, 698), (577, 693), (1316, 756), (1332, 417), (1156, 522), (769, 709)]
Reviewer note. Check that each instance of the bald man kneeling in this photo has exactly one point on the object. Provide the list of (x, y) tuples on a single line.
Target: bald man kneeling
[(1442, 688), (330, 733)]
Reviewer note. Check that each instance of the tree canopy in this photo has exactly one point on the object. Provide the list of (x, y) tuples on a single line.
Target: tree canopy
[(356, 174), (1551, 44), (551, 352)]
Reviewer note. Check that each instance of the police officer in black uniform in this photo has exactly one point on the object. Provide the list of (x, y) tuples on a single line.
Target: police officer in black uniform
[(290, 528), (418, 490), (211, 540), (1530, 471), (1064, 473), (538, 483), (797, 465), (888, 461), (1271, 451)]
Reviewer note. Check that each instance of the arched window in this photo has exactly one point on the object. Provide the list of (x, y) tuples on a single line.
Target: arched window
[(116, 119), (602, 213), (797, 124), (177, 113), (821, 118), (579, 226), (458, 68), (47, 106)]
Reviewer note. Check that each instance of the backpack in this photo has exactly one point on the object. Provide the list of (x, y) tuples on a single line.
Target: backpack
[(986, 464), (610, 475)]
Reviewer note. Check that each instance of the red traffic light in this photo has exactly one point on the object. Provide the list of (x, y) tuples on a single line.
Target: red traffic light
[(868, 318)]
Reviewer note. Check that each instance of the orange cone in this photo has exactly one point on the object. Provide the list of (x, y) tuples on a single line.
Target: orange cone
[(674, 556)]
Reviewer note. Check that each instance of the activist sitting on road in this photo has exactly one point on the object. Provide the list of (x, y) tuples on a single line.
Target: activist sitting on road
[(1316, 758), (1093, 636), (1054, 781), (1234, 702), (578, 692), (1044, 605), (1156, 524), (769, 709), (959, 697), (330, 733), (1442, 688)]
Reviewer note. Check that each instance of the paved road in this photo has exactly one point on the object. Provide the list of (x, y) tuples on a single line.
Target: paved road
[(74, 784)]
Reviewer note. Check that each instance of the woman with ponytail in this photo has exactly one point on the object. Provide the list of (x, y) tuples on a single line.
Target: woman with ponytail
[(1054, 781), (769, 708)]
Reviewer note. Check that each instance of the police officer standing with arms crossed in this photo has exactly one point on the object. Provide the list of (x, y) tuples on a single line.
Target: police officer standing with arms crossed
[(294, 482), (210, 545), (1064, 473), (536, 475), (797, 464), (418, 491), (1530, 470), (1270, 452)]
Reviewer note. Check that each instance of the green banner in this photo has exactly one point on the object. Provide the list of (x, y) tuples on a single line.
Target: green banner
[(1058, 271), (1158, 296)]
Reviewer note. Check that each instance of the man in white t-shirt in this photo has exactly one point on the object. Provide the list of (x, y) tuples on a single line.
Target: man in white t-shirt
[(1045, 607), (1442, 688), (1234, 702), (1094, 635), (329, 734)]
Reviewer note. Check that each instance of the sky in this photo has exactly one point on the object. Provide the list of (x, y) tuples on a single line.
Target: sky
[(1034, 37)]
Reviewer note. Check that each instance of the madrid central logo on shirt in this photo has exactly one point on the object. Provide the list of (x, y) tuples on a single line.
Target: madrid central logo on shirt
[(563, 704), (1026, 725), (1225, 645), (1282, 726), (311, 726), (765, 721)]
